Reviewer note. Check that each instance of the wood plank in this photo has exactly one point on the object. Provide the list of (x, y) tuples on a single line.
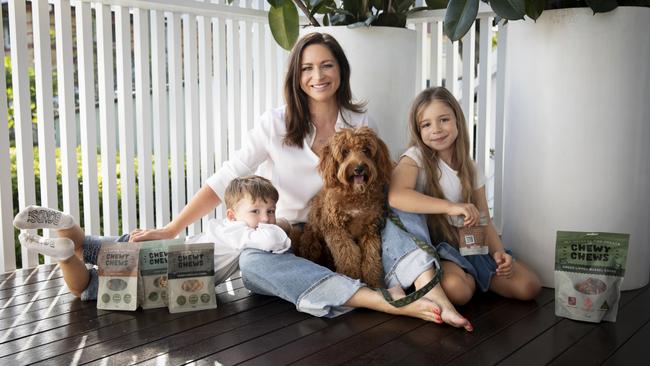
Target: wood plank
[(499, 128), (206, 115), (42, 326), (87, 118), (483, 138), (188, 341), (634, 351), (27, 298), (7, 244), (125, 119), (467, 100), (550, 343), (375, 338), (603, 340), (481, 306), (146, 326), (192, 128), (45, 110), (439, 347), (160, 117), (66, 303), (143, 113), (303, 338), (66, 96), (31, 288), (442, 350), (107, 128), (36, 305), (177, 143), (22, 116), (30, 276), (435, 60)]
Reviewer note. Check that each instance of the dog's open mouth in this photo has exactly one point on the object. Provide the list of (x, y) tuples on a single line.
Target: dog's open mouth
[(359, 179)]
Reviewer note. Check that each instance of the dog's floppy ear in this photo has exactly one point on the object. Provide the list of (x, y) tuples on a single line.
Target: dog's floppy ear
[(384, 162), (328, 167)]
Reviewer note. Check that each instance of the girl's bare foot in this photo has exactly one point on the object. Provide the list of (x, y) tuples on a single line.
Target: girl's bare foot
[(397, 293), (448, 313)]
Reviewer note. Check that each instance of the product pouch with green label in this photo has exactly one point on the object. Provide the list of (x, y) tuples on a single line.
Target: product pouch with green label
[(118, 276), (153, 272), (589, 270), (190, 271)]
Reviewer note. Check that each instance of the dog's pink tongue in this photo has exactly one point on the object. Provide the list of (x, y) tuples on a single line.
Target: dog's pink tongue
[(359, 179)]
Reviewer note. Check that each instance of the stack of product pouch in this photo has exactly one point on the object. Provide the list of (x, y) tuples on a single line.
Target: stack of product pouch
[(150, 273)]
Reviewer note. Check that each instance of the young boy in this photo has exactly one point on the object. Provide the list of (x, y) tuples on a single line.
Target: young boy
[(250, 223)]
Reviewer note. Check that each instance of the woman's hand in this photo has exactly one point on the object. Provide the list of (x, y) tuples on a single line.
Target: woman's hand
[(468, 210), (151, 234), (504, 263)]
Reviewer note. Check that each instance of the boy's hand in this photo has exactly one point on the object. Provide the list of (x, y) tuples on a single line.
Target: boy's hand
[(468, 210), (150, 234), (504, 263)]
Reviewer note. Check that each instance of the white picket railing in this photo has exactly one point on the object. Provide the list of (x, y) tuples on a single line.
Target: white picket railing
[(180, 84)]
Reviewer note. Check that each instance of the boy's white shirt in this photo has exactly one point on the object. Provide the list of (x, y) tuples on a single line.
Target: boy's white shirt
[(231, 237)]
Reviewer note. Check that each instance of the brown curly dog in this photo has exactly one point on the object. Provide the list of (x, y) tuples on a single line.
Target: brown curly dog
[(342, 228)]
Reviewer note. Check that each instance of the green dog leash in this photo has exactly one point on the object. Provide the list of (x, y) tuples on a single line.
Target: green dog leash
[(427, 248)]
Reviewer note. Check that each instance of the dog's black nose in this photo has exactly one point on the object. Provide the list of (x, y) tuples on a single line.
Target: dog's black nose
[(359, 169)]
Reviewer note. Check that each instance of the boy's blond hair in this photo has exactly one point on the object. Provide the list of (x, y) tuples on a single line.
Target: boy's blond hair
[(252, 186)]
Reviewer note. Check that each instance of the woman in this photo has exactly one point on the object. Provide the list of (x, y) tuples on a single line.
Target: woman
[(289, 139)]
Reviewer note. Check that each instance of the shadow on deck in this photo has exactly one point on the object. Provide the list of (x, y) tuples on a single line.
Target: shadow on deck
[(41, 322)]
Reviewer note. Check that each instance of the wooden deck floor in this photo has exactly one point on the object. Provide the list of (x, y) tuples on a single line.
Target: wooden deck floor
[(41, 322)]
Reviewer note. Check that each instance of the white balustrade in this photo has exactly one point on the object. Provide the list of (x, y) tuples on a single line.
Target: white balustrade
[(173, 91)]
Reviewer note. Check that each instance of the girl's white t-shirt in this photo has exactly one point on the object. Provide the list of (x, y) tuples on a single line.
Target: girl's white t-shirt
[(449, 181)]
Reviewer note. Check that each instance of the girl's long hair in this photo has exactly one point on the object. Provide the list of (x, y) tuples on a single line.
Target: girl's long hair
[(297, 110), (439, 227)]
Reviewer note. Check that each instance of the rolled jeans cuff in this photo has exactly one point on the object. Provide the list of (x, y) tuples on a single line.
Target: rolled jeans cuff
[(409, 267), (326, 297)]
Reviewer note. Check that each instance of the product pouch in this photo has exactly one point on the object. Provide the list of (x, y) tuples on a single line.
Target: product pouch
[(118, 276), (589, 270), (190, 272), (153, 272)]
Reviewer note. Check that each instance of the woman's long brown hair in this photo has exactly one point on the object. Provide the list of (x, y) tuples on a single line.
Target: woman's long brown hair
[(439, 227), (297, 110)]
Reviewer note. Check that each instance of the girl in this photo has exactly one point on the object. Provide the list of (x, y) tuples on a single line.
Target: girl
[(436, 177)]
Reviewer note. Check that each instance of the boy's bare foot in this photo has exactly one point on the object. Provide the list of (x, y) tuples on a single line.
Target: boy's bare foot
[(37, 217)]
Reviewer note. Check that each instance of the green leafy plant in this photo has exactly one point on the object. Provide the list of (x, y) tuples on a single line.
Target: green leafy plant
[(284, 19), (461, 14)]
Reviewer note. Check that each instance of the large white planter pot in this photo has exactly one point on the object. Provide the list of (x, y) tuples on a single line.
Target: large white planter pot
[(382, 60), (577, 154)]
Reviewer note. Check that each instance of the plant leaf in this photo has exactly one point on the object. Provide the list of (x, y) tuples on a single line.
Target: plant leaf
[(391, 20), (437, 4), (509, 9), (321, 6), (459, 18), (273, 3), (534, 8), (602, 6), (283, 22)]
